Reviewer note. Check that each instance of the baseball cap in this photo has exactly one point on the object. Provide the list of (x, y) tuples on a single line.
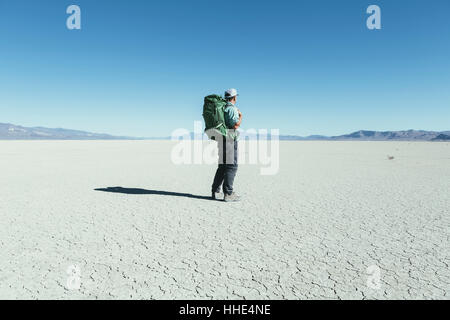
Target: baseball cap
[(230, 93)]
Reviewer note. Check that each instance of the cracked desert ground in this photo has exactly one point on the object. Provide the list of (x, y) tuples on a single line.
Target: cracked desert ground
[(309, 232)]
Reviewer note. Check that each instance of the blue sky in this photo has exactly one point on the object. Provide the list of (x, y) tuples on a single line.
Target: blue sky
[(142, 68)]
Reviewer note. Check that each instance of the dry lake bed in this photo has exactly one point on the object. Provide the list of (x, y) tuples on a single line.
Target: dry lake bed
[(117, 219)]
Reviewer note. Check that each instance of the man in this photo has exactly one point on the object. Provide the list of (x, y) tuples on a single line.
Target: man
[(228, 150)]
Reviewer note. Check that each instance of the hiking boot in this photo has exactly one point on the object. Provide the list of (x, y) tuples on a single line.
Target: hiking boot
[(233, 197), (216, 195)]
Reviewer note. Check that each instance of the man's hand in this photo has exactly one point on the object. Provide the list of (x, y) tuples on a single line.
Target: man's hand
[(238, 124)]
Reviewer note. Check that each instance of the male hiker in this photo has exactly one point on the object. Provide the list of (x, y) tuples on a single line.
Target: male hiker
[(228, 150)]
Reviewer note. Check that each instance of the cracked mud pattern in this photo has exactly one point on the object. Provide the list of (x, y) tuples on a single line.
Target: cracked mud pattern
[(309, 232)]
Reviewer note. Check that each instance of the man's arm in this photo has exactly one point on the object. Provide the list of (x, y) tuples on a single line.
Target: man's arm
[(238, 124)]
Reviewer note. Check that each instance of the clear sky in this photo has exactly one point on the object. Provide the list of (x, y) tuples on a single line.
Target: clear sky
[(142, 68)]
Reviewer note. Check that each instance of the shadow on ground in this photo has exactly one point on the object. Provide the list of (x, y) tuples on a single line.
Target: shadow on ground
[(145, 191)]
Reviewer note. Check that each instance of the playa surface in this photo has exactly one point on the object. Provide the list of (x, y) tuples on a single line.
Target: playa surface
[(334, 215)]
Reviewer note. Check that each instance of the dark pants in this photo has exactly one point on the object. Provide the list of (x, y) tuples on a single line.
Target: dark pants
[(228, 165)]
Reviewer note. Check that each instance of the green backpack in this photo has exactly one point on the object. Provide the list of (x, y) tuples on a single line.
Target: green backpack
[(213, 114)]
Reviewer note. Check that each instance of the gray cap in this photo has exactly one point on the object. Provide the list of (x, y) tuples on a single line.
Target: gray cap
[(230, 93)]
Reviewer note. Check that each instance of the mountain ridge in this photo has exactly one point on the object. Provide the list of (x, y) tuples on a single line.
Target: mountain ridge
[(10, 131), (14, 132)]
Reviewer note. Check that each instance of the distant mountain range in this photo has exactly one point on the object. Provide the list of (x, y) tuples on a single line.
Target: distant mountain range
[(365, 135), (13, 132)]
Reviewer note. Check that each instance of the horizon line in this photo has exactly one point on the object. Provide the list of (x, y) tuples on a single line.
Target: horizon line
[(132, 137)]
